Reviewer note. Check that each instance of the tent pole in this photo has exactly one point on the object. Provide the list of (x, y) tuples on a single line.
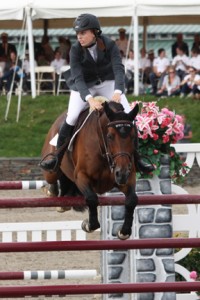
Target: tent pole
[(31, 51), (136, 56), (145, 24)]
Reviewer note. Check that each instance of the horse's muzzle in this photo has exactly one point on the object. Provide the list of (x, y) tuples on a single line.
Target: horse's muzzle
[(121, 176)]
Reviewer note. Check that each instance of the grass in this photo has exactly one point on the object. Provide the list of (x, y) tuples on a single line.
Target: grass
[(25, 138)]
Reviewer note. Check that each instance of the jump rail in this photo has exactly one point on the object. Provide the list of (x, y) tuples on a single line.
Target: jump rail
[(22, 185), (99, 245), (50, 274), (19, 202), (62, 290)]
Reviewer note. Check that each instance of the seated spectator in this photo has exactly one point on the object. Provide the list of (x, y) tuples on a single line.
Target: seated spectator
[(6, 48), (47, 49), (129, 72), (145, 66), (181, 62), (160, 65), (57, 63), (196, 43), (26, 70), (64, 48), (195, 59), (151, 57), (42, 61), (122, 41), (12, 72), (171, 84), (179, 43), (190, 85)]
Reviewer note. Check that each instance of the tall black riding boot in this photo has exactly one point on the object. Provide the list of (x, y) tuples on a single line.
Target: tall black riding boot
[(62, 144), (141, 166)]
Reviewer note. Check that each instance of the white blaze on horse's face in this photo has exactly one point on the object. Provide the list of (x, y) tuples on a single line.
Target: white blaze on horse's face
[(120, 137)]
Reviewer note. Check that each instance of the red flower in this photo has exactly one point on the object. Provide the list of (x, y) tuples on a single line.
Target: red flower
[(165, 139), (171, 154), (155, 151), (155, 136)]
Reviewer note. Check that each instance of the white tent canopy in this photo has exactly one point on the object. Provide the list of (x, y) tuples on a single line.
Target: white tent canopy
[(145, 11)]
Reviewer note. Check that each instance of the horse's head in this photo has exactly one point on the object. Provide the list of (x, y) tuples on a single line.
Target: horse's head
[(120, 140)]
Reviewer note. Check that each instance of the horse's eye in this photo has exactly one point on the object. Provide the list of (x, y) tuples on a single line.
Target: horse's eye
[(110, 137)]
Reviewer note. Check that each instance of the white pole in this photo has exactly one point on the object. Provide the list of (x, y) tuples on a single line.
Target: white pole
[(31, 51), (136, 55)]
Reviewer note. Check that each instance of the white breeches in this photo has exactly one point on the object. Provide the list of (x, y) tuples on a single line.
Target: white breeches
[(76, 104)]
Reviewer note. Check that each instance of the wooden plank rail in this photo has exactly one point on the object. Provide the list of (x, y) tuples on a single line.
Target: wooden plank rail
[(19, 202)]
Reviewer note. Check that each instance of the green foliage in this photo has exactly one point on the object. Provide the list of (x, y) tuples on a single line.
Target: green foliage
[(25, 138)]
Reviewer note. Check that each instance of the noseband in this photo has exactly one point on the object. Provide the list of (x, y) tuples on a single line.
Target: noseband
[(123, 128)]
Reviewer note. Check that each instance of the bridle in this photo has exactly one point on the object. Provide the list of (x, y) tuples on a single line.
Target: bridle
[(123, 128)]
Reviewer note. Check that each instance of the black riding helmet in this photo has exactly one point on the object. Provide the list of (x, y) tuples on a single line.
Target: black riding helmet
[(87, 21)]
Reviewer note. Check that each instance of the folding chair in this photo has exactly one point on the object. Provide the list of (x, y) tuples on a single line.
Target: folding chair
[(45, 79), (62, 80)]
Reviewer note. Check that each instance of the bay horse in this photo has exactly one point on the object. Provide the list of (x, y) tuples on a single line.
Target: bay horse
[(102, 159)]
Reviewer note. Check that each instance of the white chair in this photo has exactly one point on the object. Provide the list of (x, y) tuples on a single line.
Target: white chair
[(45, 77), (61, 79)]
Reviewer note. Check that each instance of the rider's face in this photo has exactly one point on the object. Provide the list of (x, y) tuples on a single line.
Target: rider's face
[(86, 37)]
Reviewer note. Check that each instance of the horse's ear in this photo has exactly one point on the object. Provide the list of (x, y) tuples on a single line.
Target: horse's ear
[(109, 112), (133, 113)]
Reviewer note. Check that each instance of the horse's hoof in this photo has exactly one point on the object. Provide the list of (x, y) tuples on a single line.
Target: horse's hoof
[(48, 192), (122, 236), (63, 209), (86, 226)]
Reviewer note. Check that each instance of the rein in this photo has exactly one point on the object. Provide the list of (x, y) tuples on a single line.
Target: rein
[(125, 127)]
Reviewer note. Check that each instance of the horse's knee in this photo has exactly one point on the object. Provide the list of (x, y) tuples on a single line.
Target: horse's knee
[(92, 200), (131, 201)]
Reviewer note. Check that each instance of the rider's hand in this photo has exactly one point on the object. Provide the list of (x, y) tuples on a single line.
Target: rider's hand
[(94, 104), (116, 97)]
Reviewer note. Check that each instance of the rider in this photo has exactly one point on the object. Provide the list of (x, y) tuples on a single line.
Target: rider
[(95, 69)]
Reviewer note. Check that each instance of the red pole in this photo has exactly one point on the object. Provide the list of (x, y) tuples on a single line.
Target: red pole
[(107, 200), (11, 275), (10, 185), (99, 245), (60, 290)]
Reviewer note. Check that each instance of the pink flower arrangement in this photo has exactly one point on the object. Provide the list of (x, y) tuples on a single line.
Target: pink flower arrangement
[(157, 130), (193, 275)]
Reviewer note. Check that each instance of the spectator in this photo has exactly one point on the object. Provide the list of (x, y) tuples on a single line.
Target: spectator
[(181, 62), (195, 59), (12, 68), (190, 84), (145, 66), (171, 84), (64, 48), (180, 43), (151, 57), (57, 63), (187, 131), (160, 65), (42, 61), (129, 72), (6, 48), (122, 41), (196, 43), (47, 49)]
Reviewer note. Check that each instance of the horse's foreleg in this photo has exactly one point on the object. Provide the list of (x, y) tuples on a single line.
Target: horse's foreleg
[(131, 201), (92, 201)]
